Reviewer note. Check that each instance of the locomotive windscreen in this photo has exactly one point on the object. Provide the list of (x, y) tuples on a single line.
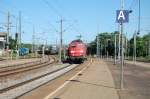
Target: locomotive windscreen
[(73, 44)]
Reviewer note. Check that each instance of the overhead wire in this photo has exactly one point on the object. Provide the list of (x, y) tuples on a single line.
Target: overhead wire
[(56, 12), (133, 4), (52, 8)]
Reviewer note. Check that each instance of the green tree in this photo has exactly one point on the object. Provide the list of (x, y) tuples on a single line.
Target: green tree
[(106, 41), (145, 44), (12, 44), (141, 46)]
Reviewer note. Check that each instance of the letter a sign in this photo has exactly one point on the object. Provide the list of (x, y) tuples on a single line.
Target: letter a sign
[(122, 16)]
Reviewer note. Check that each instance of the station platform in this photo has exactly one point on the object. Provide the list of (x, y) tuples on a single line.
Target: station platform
[(95, 82)]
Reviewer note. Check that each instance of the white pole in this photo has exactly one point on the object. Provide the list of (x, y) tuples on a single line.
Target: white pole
[(134, 56), (61, 42), (115, 49), (119, 44), (149, 45), (122, 50)]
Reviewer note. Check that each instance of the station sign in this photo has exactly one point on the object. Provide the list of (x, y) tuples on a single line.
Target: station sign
[(122, 16)]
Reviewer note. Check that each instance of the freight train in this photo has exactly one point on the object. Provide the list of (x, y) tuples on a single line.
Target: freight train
[(23, 51), (77, 51), (48, 50)]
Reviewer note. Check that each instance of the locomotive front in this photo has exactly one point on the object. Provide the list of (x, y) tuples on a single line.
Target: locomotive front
[(77, 51)]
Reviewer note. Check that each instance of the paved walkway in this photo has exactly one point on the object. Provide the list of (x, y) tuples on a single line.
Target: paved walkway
[(95, 82)]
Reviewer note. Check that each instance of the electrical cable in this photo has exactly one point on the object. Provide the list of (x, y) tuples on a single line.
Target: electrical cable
[(133, 4), (52, 8)]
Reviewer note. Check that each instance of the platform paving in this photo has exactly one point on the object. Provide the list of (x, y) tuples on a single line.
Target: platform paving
[(95, 82)]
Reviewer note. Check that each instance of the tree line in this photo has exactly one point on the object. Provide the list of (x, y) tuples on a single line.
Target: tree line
[(13, 44), (107, 45)]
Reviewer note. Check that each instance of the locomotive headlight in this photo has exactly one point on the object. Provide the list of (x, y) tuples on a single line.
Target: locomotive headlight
[(81, 51), (72, 51)]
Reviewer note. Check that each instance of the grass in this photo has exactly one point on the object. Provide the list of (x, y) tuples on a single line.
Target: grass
[(144, 59)]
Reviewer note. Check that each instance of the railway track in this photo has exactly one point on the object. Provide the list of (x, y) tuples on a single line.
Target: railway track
[(26, 86), (12, 71), (8, 70), (10, 77), (30, 80)]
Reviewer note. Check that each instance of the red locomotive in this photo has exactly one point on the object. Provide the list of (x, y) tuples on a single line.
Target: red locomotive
[(77, 51)]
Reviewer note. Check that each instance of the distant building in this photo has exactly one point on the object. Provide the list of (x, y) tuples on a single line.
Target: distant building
[(3, 37)]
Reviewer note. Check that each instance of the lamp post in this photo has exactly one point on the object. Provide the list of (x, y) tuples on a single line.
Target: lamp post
[(122, 17), (134, 49), (119, 44), (139, 18), (137, 33), (115, 49), (107, 48), (98, 46), (122, 49), (116, 33)]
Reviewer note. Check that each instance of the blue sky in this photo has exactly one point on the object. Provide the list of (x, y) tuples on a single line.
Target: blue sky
[(85, 17)]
